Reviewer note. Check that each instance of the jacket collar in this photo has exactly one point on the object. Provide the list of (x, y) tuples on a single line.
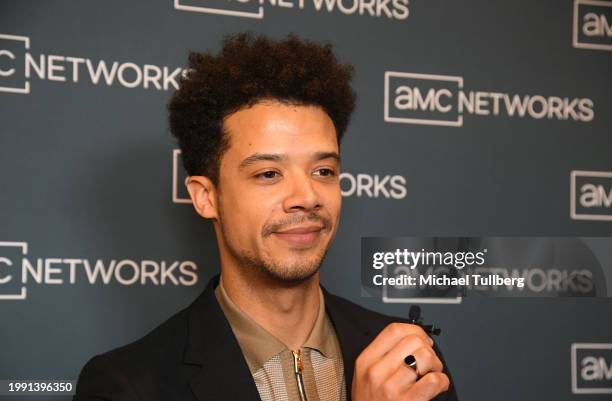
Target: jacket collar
[(214, 353), (211, 345), (352, 334)]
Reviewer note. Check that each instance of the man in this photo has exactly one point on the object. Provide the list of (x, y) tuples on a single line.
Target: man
[(259, 126)]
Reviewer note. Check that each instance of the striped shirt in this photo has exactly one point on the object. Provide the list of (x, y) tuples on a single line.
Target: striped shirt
[(272, 364)]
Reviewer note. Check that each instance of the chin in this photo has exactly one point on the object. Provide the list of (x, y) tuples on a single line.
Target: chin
[(292, 272), (292, 277)]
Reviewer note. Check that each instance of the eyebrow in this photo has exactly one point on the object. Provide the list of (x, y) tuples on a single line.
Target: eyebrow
[(277, 157)]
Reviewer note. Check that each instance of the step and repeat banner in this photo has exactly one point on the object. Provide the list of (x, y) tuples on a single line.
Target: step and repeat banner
[(483, 129)]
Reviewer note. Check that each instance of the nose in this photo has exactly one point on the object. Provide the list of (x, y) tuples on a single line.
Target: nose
[(301, 195)]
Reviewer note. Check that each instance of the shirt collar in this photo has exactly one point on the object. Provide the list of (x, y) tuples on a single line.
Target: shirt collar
[(258, 345)]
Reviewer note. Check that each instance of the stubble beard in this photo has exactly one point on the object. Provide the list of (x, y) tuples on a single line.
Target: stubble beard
[(285, 274)]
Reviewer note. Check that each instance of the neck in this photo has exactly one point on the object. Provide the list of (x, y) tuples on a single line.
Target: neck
[(287, 312)]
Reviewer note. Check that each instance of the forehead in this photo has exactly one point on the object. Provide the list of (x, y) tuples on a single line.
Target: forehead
[(272, 126)]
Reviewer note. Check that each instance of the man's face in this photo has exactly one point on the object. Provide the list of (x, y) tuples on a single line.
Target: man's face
[(279, 192)]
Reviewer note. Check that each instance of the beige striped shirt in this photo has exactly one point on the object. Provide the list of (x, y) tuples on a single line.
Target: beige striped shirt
[(272, 364)]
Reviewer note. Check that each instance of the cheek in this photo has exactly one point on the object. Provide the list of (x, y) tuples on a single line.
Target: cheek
[(245, 214), (337, 211), (334, 200)]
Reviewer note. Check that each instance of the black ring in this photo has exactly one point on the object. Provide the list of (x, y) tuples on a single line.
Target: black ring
[(410, 360)]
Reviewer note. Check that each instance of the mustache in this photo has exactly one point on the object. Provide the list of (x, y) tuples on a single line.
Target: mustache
[(325, 222)]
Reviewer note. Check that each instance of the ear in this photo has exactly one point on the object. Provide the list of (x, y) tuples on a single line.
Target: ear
[(203, 196)]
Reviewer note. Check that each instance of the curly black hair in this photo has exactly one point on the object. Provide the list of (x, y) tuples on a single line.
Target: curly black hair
[(250, 69)]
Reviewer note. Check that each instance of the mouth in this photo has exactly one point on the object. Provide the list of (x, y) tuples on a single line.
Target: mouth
[(302, 237)]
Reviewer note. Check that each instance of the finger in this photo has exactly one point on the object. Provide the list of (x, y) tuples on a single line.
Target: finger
[(427, 361), (388, 338), (396, 387), (426, 358), (402, 379), (428, 386)]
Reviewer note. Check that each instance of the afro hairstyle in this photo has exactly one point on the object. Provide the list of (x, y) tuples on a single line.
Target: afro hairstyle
[(247, 70)]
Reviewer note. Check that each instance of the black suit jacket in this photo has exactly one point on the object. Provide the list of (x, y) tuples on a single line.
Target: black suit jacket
[(195, 356)]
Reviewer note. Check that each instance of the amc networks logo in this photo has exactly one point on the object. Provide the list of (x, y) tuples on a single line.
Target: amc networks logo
[(19, 270), (441, 100), (391, 9), (18, 67), (592, 25), (12, 252), (591, 195), (591, 368)]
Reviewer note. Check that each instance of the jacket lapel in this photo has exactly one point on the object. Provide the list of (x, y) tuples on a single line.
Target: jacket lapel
[(353, 335), (213, 352)]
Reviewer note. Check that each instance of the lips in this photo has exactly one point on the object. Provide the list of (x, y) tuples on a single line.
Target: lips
[(300, 236), (301, 230)]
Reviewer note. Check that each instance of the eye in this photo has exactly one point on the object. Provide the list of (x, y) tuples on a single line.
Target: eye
[(325, 172), (268, 175)]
